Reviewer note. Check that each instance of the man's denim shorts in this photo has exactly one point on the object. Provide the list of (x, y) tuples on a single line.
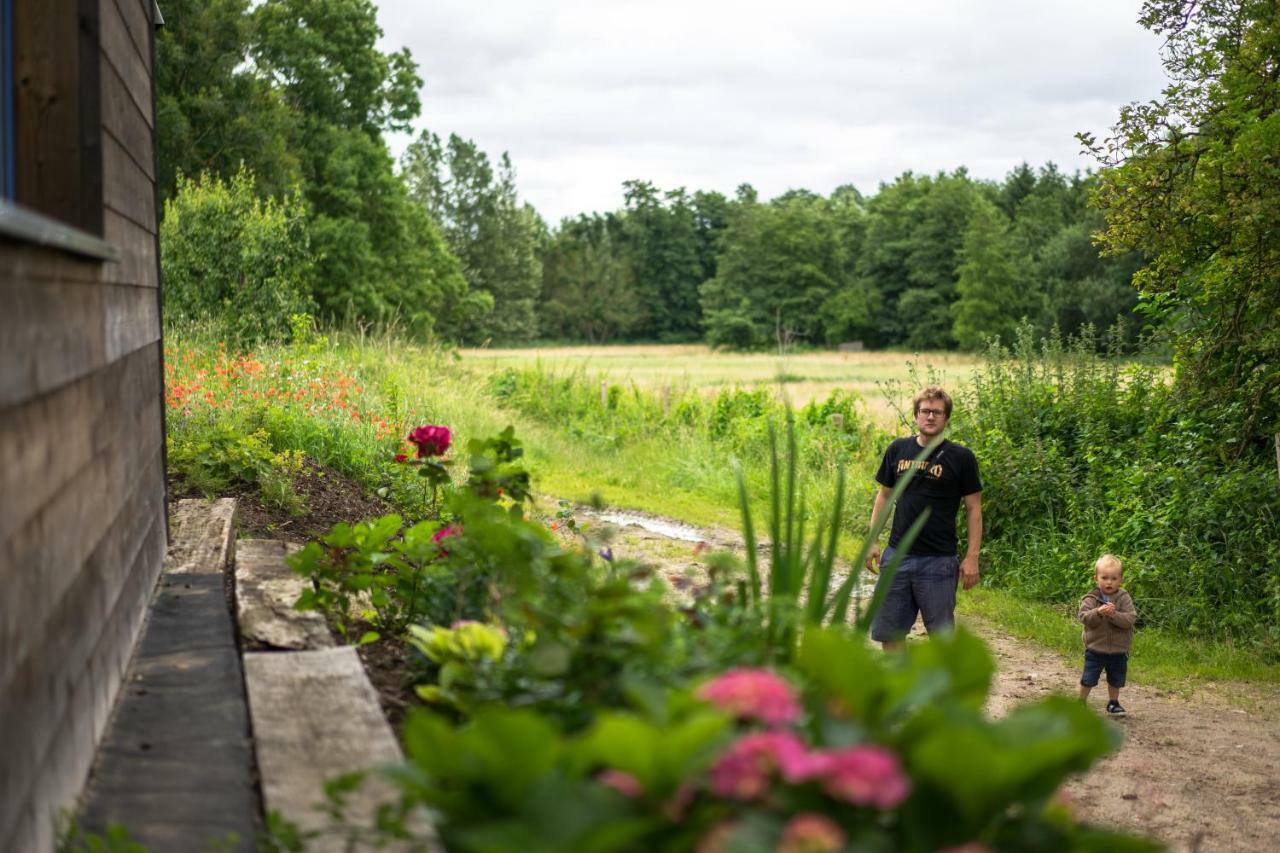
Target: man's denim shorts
[(1116, 664), (924, 584)]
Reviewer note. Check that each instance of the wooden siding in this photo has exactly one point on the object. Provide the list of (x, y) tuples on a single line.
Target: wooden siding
[(82, 514)]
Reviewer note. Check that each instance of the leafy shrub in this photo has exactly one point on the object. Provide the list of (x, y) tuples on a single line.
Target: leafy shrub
[(887, 753), (221, 455), (235, 260), (1083, 454)]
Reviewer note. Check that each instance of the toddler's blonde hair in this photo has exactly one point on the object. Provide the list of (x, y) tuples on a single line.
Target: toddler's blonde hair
[(1108, 560)]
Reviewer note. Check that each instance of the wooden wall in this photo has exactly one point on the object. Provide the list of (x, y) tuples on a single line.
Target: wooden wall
[(82, 515)]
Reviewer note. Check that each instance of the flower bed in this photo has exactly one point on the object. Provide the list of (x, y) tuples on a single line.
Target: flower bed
[(570, 706)]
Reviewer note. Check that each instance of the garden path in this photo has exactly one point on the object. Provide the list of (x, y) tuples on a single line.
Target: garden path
[(1198, 771)]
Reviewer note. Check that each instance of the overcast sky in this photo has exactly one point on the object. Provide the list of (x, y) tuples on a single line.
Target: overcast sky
[(708, 94)]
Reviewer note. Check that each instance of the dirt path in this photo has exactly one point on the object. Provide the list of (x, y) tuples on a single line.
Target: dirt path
[(1199, 773)]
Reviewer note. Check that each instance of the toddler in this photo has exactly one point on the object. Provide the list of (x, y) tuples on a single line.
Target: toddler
[(1108, 615)]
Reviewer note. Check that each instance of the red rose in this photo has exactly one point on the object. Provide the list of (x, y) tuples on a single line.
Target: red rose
[(431, 440)]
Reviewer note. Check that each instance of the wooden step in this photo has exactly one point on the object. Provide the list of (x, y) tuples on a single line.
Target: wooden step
[(316, 717), (200, 534), (175, 767)]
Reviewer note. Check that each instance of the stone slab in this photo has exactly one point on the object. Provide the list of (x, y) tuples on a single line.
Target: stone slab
[(266, 589), (316, 716), (201, 533)]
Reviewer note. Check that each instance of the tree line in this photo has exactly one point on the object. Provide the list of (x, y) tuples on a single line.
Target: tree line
[(272, 122)]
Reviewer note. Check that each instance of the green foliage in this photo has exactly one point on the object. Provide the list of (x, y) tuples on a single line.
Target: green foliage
[(993, 298), (494, 237), (566, 790), (1083, 455), (73, 838), (221, 456), (234, 260), (381, 261), (666, 244), (1194, 186), (780, 264), (588, 286), (214, 114), (297, 94), (736, 420)]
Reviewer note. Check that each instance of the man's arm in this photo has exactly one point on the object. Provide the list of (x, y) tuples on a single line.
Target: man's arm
[(878, 508), (973, 519)]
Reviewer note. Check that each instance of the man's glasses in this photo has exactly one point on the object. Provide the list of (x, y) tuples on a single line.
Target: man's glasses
[(932, 413)]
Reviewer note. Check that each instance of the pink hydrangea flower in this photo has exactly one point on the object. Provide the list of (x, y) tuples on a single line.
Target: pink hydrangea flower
[(621, 781), (756, 694), (864, 775), (746, 769), (811, 833), (431, 440)]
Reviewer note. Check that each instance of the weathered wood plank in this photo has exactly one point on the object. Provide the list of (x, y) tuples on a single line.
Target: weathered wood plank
[(52, 334), (201, 537), (266, 589), (137, 246), (46, 555), (136, 15), (126, 188), (59, 698), (119, 49), (177, 764), (125, 121), (37, 461), (27, 262), (316, 716)]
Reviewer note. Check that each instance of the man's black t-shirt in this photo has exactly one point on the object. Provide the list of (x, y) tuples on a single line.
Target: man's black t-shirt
[(947, 475)]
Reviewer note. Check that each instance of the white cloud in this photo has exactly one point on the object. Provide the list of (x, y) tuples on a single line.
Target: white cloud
[(708, 94)]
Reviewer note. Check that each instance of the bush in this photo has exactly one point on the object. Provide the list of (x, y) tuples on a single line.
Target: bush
[(234, 260), (1083, 454)]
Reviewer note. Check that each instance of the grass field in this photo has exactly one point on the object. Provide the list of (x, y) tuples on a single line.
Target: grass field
[(798, 377)]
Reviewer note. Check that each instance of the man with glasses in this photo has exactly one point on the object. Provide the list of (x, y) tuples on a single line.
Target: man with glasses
[(928, 575)]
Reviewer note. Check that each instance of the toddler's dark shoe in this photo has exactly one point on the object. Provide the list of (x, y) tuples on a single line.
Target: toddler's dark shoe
[(1114, 709)]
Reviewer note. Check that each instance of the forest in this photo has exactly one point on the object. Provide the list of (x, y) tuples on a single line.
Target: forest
[(273, 124)]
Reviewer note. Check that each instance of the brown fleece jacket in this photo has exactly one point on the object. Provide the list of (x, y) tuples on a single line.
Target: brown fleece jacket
[(1108, 634)]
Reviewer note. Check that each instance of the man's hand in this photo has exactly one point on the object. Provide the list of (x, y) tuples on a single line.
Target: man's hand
[(873, 559), (969, 572)]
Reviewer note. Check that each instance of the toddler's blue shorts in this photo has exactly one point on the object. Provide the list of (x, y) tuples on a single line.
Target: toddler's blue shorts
[(1116, 665)]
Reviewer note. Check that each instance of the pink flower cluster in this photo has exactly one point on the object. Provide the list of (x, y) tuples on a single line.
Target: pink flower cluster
[(865, 775), (753, 694), (431, 440)]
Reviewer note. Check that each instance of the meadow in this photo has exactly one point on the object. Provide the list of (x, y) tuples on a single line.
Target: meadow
[(1113, 467), (797, 377)]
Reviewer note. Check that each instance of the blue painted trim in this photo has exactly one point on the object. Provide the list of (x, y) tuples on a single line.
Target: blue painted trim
[(8, 166)]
